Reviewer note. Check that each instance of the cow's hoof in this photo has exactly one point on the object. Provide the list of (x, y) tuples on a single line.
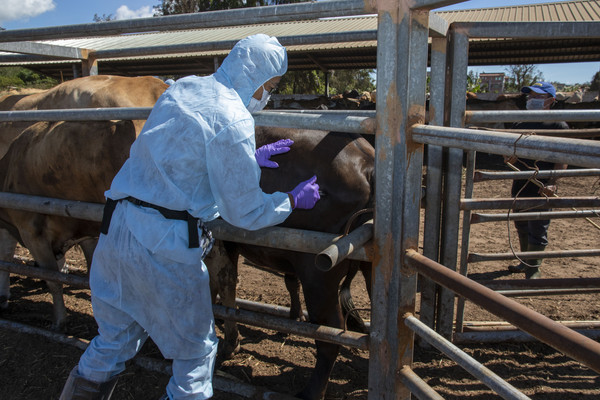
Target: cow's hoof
[(227, 350)]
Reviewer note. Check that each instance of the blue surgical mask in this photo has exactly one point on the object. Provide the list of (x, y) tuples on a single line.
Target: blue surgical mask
[(258, 105), (535, 104)]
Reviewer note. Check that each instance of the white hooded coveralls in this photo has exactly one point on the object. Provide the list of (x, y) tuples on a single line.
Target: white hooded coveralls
[(195, 153)]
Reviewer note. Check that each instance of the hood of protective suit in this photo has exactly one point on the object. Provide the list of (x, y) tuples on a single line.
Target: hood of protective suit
[(252, 62)]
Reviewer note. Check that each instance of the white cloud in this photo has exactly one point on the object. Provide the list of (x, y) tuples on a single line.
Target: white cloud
[(124, 12), (19, 9)]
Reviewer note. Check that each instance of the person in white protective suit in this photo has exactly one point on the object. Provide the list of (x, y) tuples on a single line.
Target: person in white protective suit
[(194, 161)]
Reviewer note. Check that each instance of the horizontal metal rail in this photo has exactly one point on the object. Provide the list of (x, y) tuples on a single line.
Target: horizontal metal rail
[(342, 248), (570, 133), (278, 237), (481, 176), (511, 336), (485, 117), (286, 325), (507, 284), (523, 203), (561, 338), (323, 121), (477, 218), (281, 324), (545, 292), (478, 326), (468, 363), (580, 152), (479, 257), (210, 19), (529, 30)]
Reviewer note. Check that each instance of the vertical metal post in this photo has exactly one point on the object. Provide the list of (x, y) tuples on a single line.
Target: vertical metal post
[(89, 65), (433, 186), (401, 77), (466, 232), (458, 61)]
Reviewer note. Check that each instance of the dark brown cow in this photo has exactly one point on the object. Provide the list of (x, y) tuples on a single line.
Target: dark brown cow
[(344, 165)]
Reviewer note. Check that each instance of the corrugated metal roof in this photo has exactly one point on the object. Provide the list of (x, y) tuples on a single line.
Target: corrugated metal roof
[(332, 55), (567, 11)]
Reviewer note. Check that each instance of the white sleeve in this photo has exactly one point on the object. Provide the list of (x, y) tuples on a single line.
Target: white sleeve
[(234, 178)]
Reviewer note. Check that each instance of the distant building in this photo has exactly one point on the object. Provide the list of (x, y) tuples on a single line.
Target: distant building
[(492, 82)]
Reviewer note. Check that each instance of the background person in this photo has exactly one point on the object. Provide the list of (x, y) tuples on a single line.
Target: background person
[(533, 235), (194, 161)]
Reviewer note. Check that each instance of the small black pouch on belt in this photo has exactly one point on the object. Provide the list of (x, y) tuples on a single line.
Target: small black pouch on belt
[(109, 208)]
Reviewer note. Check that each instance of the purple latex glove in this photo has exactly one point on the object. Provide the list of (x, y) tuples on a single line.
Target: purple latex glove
[(306, 194), (263, 153)]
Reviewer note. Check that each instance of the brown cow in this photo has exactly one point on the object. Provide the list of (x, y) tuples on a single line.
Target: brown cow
[(107, 157)]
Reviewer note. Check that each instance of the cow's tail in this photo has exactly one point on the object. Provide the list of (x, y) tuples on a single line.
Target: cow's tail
[(354, 322)]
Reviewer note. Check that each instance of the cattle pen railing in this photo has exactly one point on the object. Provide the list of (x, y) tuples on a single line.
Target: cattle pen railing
[(403, 31)]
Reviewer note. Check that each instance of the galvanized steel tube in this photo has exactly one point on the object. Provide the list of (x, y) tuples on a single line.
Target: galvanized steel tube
[(210, 19), (511, 336), (45, 274), (481, 176), (475, 117), (533, 216), (529, 202), (477, 257), (335, 122), (561, 338), (478, 370), (344, 246), (580, 152), (286, 325), (77, 114)]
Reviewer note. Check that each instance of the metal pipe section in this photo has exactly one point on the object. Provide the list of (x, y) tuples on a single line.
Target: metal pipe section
[(507, 284), (45, 274), (571, 133), (338, 37), (561, 338), (529, 202), (477, 218), (481, 176), (278, 237), (580, 152), (475, 117), (286, 325), (275, 310), (473, 326), (77, 114), (529, 30), (335, 122), (511, 336), (472, 366), (417, 386), (323, 121), (545, 292), (344, 246), (210, 19), (477, 257)]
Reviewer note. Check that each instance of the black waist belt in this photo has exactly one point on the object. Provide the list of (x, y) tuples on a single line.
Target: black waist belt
[(194, 239)]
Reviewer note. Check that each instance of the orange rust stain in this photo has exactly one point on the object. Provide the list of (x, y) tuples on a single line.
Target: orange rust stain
[(416, 115)]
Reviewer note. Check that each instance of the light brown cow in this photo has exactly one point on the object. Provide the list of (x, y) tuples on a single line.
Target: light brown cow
[(39, 163)]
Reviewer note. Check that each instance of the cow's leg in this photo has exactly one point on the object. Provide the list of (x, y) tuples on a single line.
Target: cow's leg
[(353, 319), (323, 306), (223, 280), (88, 246), (7, 251), (45, 258), (293, 286)]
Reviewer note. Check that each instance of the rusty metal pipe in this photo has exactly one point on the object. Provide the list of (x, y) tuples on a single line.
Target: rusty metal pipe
[(569, 342), (344, 246), (285, 325), (507, 284), (529, 202), (509, 336), (45, 274), (416, 385), (477, 257)]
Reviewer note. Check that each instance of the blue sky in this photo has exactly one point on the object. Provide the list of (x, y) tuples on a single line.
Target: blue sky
[(17, 14)]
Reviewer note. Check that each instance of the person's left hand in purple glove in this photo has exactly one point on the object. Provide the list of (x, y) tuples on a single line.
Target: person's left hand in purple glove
[(263, 153)]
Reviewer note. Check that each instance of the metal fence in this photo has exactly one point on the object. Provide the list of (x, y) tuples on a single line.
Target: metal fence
[(400, 134)]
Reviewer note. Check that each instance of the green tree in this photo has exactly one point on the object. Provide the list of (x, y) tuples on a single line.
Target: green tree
[(473, 82), (23, 77), (595, 84), (522, 75), (343, 80)]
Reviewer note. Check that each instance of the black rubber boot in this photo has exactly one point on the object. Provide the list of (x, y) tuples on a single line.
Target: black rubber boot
[(533, 271), (523, 244), (79, 388)]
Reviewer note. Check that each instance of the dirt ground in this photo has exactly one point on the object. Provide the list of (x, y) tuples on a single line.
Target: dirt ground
[(34, 367)]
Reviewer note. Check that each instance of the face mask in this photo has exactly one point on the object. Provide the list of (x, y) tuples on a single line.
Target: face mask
[(256, 105), (535, 104)]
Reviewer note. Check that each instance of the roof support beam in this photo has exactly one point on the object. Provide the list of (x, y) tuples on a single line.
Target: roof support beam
[(529, 30), (42, 49)]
